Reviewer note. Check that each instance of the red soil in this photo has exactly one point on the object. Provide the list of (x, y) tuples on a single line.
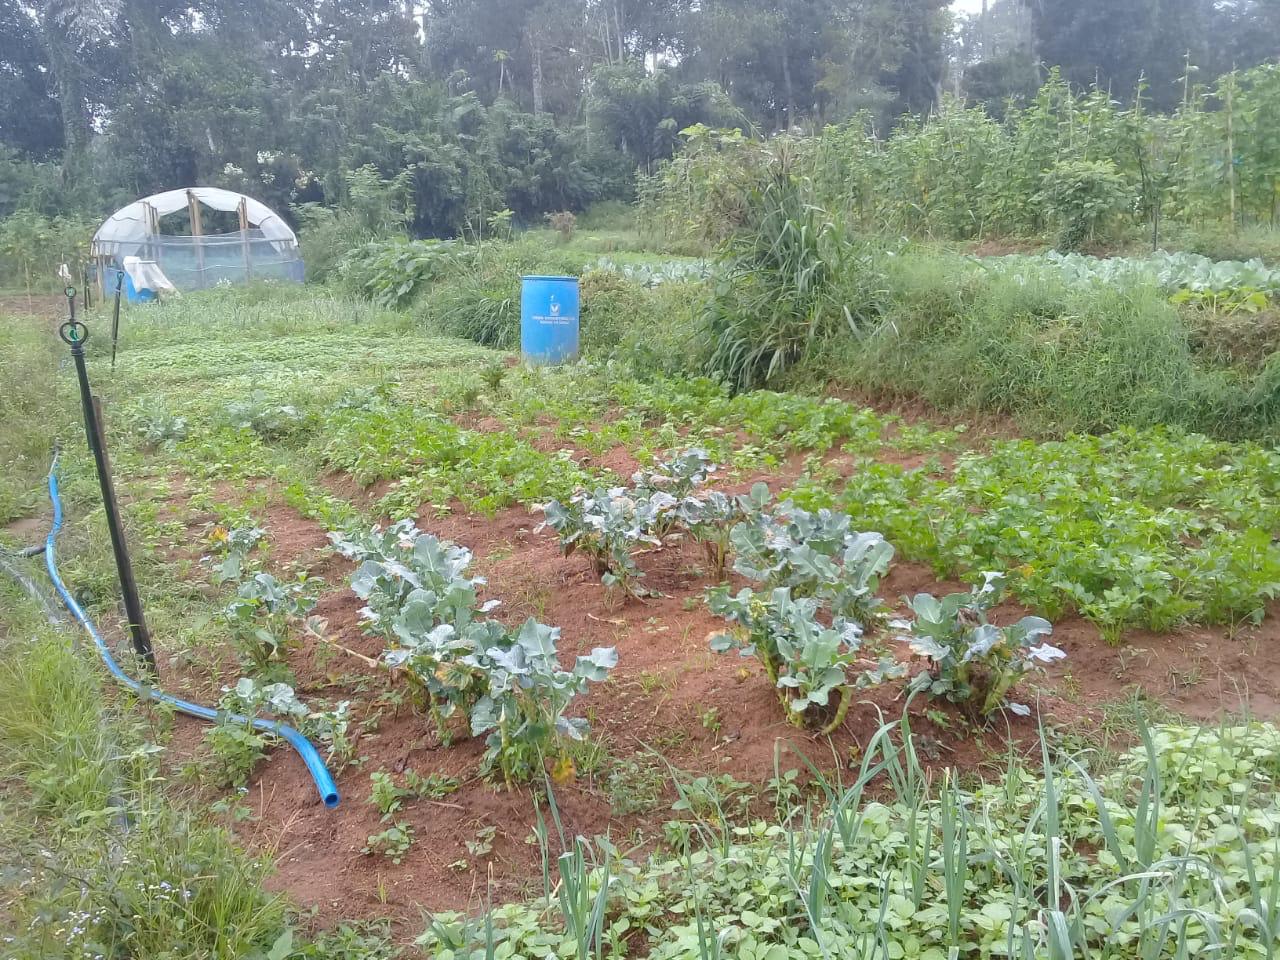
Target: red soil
[(670, 701)]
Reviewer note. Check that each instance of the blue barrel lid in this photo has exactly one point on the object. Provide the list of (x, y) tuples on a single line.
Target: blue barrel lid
[(536, 277)]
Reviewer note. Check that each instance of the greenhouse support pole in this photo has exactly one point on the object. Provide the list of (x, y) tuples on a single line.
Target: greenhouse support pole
[(243, 213), (197, 233), (74, 333)]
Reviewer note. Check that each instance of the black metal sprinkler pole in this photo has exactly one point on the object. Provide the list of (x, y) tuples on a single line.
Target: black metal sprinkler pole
[(115, 319), (75, 333)]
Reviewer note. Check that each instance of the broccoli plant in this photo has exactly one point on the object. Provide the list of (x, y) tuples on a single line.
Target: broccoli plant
[(235, 544), (508, 684), (814, 555), (523, 710), (237, 747), (608, 526), (251, 698), (711, 517), (972, 661), (260, 618), (677, 477), (397, 562), (807, 661)]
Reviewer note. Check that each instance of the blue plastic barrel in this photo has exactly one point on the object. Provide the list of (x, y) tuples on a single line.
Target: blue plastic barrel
[(549, 319)]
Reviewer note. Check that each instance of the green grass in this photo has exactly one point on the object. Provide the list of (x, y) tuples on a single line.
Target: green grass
[(99, 859), (1056, 357), (32, 401)]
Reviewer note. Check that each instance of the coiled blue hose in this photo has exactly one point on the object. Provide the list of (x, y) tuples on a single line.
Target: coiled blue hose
[(327, 789)]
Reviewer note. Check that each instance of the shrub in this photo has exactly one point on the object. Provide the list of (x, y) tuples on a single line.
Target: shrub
[(394, 272), (563, 223), (1082, 196)]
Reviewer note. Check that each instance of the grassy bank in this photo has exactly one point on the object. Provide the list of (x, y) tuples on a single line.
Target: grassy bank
[(1056, 356)]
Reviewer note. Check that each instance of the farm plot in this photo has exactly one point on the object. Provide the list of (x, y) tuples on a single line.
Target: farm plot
[(517, 603)]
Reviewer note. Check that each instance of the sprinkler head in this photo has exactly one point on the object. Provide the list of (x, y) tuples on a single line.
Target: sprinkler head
[(73, 332)]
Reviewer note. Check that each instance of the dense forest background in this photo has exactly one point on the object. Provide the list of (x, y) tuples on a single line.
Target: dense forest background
[(441, 114)]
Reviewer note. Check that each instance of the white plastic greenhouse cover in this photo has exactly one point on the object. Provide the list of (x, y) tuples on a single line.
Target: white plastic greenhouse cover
[(129, 225)]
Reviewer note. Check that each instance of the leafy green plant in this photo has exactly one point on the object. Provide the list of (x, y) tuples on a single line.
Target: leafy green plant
[(262, 615), (608, 526), (384, 794), (388, 797), (509, 684), (159, 426), (1131, 528), (252, 698), (1223, 303), (500, 224), (235, 545), (434, 786), (677, 476), (806, 661), (392, 843), (523, 710), (814, 554), (394, 272), (711, 517), (238, 747), (970, 660), (269, 420), (237, 750)]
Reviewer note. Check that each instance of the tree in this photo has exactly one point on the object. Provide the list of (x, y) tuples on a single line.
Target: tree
[(30, 118), (1117, 43)]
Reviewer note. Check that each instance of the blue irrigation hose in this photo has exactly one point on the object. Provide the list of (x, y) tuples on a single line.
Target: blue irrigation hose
[(327, 789)]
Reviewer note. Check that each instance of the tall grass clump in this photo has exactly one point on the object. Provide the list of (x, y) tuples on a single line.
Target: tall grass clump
[(94, 859), (479, 298), (793, 281), (30, 404)]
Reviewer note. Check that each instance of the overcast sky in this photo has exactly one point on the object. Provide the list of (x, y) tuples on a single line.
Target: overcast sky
[(966, 6)]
